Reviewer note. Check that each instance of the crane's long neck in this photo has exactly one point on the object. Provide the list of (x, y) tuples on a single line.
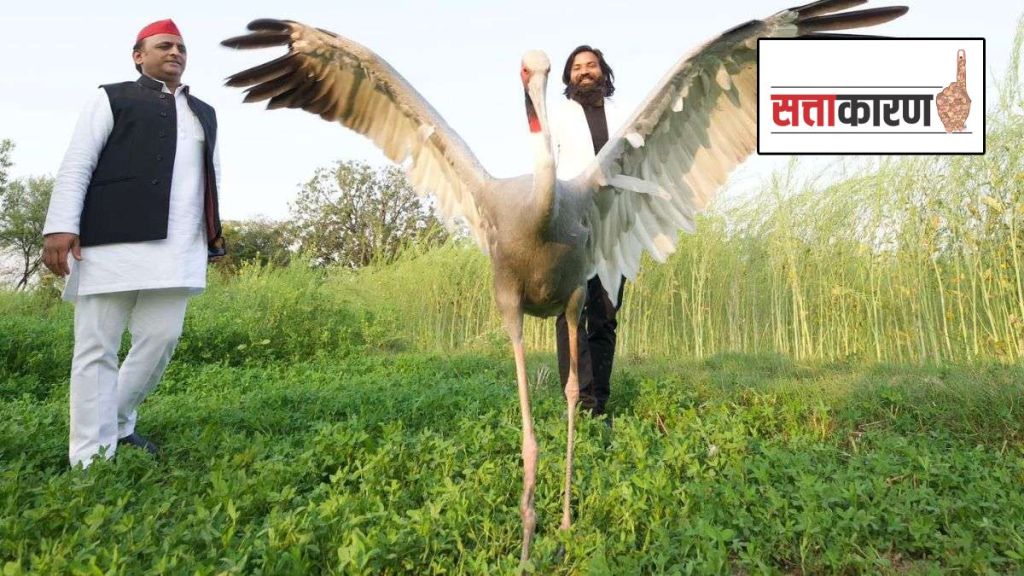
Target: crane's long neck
[(543, 174), (961, 67), (544, 190)]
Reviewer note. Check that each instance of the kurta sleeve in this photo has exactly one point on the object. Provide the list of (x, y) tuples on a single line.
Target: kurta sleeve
[(556, 139), (216, 166), (95, 123), (557, 130)]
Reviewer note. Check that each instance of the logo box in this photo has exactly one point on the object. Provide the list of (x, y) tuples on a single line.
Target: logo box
[(871, 96)]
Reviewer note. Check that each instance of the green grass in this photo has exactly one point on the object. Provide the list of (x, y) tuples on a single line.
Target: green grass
[(371, 463)]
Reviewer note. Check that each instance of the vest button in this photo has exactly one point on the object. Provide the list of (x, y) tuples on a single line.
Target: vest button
[(163, 96), (154, 181), (164, 114), (159, 157), (163, 134)]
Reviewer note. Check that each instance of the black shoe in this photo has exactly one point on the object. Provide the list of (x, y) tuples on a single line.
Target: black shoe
[(599, 413), (134, 439), (587, 402)]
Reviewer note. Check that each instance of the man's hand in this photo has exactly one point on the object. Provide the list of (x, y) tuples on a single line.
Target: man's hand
[(55, 252)]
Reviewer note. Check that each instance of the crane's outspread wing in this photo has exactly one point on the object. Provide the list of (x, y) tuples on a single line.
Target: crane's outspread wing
[(342, 81), (675, 152)]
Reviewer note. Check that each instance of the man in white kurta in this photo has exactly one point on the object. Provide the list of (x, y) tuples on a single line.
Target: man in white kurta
[(571, 137), (582, 124), (144, 284)]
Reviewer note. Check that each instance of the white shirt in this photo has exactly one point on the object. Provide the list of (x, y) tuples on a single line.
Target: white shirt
[(571, 140), (178, 261)]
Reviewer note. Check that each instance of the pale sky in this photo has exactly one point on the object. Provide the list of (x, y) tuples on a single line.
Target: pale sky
[(463, 56)]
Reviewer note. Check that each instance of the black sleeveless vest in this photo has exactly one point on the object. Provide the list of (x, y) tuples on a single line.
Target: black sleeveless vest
[(128, 198)]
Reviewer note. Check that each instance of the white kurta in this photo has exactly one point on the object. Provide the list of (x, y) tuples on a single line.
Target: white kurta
[(573, 146), (178, 261)]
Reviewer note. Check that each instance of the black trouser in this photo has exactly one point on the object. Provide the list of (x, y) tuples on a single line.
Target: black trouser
[(596, 346)]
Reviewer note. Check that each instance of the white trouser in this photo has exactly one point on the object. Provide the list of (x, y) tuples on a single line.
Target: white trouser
[(104, 398)]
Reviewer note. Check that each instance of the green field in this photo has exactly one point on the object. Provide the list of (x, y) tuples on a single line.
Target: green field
[(361, 458)]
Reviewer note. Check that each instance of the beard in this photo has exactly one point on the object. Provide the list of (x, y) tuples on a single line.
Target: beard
[(592, 94)]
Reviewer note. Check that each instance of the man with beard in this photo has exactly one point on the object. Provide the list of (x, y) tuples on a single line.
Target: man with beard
[(581, 127), (132, 223)]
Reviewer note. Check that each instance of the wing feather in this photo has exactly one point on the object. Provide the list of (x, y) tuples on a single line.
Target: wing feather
[(340, 80), (693, 129)]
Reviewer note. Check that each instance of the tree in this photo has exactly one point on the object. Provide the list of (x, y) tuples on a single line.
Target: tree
[(354, 215), (6, 146), (23, 205), (261, 240)]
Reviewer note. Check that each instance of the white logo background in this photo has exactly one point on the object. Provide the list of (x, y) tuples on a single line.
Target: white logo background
[(870, 66)]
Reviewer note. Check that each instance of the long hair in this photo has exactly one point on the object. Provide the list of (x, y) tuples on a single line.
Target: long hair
[(609, 76)]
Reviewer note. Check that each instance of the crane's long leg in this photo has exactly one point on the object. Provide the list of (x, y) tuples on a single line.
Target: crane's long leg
[(573, 311), (526, 510)]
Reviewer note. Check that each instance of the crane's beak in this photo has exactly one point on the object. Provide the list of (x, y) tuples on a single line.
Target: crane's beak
[(536, 104)]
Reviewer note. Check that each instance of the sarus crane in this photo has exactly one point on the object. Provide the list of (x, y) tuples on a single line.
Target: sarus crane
[(546, 237)]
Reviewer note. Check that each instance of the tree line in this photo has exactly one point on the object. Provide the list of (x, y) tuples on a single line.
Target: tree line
[(349, 214)]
